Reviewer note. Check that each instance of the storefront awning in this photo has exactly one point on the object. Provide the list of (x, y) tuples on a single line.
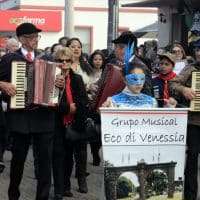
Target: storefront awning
[(192, 4), (149, 31), (144, 3)]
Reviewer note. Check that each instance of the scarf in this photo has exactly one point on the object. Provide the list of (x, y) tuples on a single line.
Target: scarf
[(68, 118), (166, 78)]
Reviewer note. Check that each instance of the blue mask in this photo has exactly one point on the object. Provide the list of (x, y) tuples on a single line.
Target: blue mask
[(135, 79)]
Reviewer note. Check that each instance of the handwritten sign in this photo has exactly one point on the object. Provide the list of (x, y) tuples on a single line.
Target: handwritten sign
[(143, 127)]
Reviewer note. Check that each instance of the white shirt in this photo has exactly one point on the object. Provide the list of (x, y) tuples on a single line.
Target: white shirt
[(25, 52)]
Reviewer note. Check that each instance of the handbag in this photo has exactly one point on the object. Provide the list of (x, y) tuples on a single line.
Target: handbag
[(93, 130), (72, 134), (87, 134)]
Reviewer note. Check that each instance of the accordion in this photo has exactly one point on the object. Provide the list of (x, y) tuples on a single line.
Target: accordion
[(195, 103), (35, 84), (110, 83)]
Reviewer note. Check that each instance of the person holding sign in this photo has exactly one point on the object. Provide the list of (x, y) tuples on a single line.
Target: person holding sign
[(131, 96)]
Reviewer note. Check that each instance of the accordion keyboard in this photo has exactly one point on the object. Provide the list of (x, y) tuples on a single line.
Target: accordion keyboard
[(195, 103), (18, 78)]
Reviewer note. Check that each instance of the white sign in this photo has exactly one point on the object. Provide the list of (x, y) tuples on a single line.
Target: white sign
[(143, 127), (155, 137)]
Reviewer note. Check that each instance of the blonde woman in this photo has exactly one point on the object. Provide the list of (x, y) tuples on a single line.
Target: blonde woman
[(72, 110)]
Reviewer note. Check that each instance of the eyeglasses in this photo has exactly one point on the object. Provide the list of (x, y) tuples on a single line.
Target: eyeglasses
[(64, 60), (31, 37)]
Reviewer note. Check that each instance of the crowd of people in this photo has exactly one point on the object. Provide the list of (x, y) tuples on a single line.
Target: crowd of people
[(150, 77)]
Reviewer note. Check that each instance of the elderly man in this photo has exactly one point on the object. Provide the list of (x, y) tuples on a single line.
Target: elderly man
[(12, 45), (28, 124)]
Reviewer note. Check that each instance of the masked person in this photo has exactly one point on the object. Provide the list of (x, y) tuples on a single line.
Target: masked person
[(131, 96)]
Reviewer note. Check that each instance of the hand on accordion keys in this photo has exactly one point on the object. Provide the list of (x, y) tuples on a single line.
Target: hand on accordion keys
[(8, 88), (60, 81), (189, 93)]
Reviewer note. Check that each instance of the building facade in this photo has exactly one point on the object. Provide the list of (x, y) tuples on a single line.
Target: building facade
[(90, 19)]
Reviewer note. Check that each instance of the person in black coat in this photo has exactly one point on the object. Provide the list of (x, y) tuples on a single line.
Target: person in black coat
[(2, 135), (35, 123), (73, 111)]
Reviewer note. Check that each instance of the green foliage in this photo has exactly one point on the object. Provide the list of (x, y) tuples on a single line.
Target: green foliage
[(156, 183), (124, 187)]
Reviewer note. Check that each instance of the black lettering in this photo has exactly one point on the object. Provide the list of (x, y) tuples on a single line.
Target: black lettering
[(115, 122), (143, 137), (106, 137)]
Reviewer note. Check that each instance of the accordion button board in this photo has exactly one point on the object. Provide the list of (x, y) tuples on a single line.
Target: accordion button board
[(18, 78), (195, 103)]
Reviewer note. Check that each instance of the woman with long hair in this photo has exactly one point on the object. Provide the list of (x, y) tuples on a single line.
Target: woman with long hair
[(79, 66)]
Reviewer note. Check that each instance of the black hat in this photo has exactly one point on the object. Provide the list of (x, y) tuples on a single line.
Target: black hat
[(26, 28), (125, 38)]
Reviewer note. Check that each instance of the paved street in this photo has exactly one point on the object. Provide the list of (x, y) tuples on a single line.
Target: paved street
[(95, 181)]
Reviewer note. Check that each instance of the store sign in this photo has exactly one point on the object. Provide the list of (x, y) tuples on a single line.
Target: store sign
[(48, 21)]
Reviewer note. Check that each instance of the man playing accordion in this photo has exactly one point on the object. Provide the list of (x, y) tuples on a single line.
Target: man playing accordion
[(181, 87), (27, 124)]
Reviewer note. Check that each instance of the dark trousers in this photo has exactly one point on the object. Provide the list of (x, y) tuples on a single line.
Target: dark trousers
[(43, 146), (2, 142), (78, 151), (64, 152), (95, 147), (191, 168), (58, 161)]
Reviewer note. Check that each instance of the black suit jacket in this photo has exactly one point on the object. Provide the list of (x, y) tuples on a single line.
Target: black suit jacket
[(2, 117), (25, 121)]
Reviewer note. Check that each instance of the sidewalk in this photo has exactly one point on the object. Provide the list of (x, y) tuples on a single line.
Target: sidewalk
[(28, 185)]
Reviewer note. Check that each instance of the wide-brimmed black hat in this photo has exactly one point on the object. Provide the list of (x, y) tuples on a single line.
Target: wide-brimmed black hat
[(26, 28), (125, 38)]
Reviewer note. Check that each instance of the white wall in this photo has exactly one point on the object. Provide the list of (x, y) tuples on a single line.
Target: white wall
[(98, 20), (136, 20), (91, 3)]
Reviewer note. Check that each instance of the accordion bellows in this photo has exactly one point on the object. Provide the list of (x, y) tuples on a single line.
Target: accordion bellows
[(35, 84), (110, 83)]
